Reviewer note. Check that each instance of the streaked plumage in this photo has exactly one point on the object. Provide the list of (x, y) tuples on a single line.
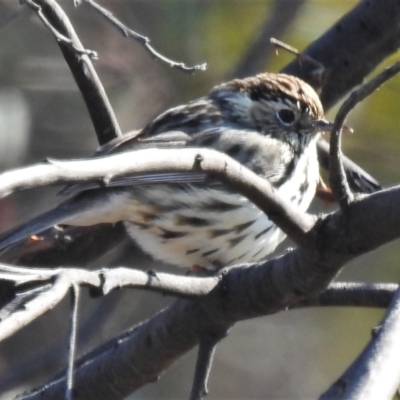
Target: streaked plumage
[(269, 122)]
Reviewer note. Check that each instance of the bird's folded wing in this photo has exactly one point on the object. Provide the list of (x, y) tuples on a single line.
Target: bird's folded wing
[(132, 141)]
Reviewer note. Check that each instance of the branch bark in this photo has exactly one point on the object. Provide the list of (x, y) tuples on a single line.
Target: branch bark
[(141, 354), (351, 49), (338, 238), (375, 374), (89, 84)]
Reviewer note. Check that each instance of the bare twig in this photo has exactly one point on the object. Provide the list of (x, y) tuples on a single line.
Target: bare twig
[(278, 20), (302, 57), (359, 180), (98, 105), (47, 299), (181, 286), (143, 40), (350, 53), (218, 165), (58, 35), (338, 180), (20, 299), (375, 374), (205, 355), (75, 295), (47, 358)]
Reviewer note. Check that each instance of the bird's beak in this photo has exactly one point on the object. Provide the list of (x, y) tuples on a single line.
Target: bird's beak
[(325, 126)]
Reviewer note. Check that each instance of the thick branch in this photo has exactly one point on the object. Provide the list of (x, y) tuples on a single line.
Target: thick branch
[(352, 294), (141, 354), (351, 49)]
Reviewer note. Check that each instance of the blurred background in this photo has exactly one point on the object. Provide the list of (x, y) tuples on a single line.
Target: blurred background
[(291, 355)]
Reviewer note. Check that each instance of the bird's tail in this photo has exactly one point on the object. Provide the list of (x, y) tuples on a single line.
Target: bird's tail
[(80, 210), (34, 226)]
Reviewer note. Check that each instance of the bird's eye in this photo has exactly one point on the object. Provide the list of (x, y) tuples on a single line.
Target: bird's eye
[(286, 117)]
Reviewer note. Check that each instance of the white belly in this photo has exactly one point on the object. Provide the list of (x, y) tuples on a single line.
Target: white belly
[(187, 235)]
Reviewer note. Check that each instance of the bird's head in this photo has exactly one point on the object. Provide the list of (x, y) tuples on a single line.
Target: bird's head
[(278, 105)]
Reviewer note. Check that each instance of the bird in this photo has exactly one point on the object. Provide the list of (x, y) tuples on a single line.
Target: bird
[(269, 122)]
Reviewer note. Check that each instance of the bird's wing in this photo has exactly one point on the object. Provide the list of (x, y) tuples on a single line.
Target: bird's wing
[(174, 140), (197, 124), (274, 162)]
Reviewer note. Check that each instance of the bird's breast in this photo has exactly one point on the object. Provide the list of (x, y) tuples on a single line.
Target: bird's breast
[(212, 226)]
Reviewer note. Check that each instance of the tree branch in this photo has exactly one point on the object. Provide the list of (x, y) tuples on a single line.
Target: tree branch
[(351, 49), (375, 374), (352, 294), (338, 181), (141, 354), (143, 40), (205, 355), (89, 84), (46, 300), (146, 161), (276, 24)]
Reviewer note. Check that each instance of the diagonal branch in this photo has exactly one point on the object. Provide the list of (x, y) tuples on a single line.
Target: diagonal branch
[(89, 84), (375, 374), (142, 353), (351, 49), (46, 300), (244, 292), (294, 223), (338, 180)]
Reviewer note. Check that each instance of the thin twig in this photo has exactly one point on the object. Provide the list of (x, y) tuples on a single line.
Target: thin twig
[(204, 361), (20, 299), (143, 40), (75, 295), (337, 177), (47, 299), (359, 180), (320, 68), (58, 35), (279, 18), (34, 308)]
